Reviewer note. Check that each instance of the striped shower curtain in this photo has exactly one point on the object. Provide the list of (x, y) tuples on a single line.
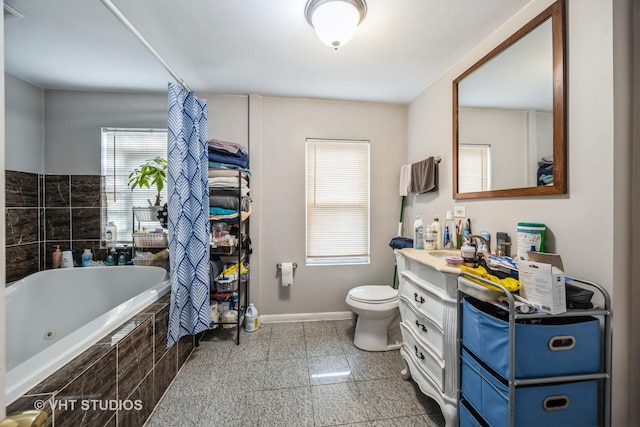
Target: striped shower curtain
[(188, 209)]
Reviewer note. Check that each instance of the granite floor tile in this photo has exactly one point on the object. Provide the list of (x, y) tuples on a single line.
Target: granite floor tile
[(291, 348), (286, 373), (373, 365), (289, 407), (386, 398), (182, 411), (262, 333), (318, 346), (211, 353), (329, 370), (337, 404), (318, 328), (414, 421), (346, 343), (345, 328), (196, 379), (250, 351), (243, 375), (425, 404), (287, 330)]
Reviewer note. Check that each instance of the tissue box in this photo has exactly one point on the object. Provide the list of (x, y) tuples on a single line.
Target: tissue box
[(543, 286)]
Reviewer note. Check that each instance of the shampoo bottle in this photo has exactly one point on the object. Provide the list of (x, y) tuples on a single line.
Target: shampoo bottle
[(437, 232), (417, 233), (56, 257), (87, 257), (111, 235), (449, 231)]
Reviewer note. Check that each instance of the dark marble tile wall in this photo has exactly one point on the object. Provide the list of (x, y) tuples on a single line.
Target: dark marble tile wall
[(123, 367), (43, 211)]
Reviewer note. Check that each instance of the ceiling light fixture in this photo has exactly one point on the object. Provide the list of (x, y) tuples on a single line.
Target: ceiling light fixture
[(335, 21)]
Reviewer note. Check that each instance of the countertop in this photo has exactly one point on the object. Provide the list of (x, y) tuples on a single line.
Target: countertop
[(433, 258)]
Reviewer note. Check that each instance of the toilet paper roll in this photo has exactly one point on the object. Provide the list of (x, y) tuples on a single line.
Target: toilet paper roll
[(287, 273)]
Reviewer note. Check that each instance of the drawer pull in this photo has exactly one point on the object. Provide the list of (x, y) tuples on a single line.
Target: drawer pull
[(420, 325), (556, 403), (418, 354), (415, 297), (562, 342)]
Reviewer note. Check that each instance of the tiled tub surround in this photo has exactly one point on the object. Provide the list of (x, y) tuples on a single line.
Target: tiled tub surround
[(54, 315), (47, 210), (130, 366)]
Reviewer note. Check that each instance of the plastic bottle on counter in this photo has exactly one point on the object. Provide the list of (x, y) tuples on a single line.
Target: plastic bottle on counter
[(417, 233), (122, 258), (428, 238), (233, 303), (111, 258), (251, 319), (111, 235), (436, 230), (449, 232), (87, 257), (56, 257)]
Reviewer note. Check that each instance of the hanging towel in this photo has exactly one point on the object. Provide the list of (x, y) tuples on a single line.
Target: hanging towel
[(405, 179), (424, 176)]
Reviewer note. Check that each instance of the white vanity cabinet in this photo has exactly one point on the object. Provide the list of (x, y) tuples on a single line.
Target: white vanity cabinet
[(428, 307)]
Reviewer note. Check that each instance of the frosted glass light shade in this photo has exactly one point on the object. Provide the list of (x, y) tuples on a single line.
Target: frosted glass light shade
[(335, 21)]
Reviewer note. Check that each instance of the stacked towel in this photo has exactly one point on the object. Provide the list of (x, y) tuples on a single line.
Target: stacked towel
[(228, 180)]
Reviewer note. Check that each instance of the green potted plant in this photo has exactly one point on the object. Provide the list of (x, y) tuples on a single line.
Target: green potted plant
[(153, 172)]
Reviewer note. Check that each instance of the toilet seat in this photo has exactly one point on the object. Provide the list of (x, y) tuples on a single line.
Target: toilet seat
[(373, 294)]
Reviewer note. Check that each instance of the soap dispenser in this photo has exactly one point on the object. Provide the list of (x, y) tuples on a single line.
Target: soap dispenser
[(56, 257), (87, 257)]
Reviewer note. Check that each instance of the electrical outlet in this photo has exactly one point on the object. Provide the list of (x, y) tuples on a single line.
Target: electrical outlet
[(459, 211)]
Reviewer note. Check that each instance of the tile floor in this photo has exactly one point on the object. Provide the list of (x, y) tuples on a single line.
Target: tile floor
[(292, 374)]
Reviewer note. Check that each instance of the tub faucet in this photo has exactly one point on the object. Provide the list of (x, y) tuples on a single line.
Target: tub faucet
[(486, 244), (31, 418)]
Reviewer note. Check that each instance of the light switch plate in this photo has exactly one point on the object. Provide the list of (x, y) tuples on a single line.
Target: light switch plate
[(459, 211)]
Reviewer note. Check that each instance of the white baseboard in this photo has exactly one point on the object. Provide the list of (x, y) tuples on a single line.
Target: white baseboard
[(299, 317)]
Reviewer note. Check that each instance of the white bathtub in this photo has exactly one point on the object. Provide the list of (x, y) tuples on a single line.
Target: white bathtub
[(52, 316)]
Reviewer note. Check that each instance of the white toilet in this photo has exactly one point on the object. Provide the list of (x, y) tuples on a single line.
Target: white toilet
[(378, 326)]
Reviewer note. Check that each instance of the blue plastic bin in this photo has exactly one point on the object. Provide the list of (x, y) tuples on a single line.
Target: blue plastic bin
[(550, 405), (551, 347)]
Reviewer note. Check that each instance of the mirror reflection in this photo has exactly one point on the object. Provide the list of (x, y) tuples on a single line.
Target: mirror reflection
[(505, 134)]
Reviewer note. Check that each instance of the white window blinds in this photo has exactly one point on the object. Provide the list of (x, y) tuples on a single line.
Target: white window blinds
[(474, 168), (337, 202), (123, 150)]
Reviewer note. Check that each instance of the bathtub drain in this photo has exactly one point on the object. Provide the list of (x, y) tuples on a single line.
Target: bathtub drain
[(50, 334)]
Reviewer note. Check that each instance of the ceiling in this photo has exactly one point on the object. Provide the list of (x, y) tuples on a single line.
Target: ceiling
[(263, 47)]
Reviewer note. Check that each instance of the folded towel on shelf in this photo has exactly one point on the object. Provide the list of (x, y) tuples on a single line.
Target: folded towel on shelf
[(242, 161), (227, 182), (405, 179), (222, 165), (228, 191), (229, 201), (424, 176), (231, 217), (216, 173), (226, 146)]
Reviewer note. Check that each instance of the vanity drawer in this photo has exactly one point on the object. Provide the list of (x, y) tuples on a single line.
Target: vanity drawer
[(425, 300), (431, 364), (445, 282), (422, 326)]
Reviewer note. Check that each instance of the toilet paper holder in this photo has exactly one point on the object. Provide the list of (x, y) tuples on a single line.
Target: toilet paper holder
[(279, 265)]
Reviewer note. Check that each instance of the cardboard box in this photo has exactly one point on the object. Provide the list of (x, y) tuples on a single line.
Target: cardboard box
[(543, 286)]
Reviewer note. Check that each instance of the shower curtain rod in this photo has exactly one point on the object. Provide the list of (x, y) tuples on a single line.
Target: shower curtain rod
[(123, 19)]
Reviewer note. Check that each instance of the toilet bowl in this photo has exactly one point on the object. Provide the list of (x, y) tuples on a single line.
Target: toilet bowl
[(378, 325)]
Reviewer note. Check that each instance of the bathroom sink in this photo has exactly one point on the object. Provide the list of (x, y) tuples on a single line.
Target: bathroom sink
[(443, 253)]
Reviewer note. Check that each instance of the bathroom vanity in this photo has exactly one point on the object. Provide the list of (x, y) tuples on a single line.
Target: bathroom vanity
[(428, 307)]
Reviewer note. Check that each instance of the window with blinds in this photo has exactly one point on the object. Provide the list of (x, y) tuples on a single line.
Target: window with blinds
[(337, 202), (123, 150), (474, 168)]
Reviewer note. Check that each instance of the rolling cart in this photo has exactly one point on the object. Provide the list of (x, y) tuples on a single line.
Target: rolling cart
[(532, 368)]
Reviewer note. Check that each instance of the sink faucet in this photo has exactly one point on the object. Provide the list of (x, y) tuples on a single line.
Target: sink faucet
[(486, 243)]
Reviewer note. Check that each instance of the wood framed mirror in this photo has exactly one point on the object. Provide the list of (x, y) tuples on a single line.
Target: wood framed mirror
[(509, 115)]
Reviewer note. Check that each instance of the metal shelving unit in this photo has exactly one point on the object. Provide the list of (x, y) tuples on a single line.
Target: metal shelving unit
[(466, 286)]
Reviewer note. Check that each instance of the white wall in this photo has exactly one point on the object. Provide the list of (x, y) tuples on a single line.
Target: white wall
[(283, 125), (24, 132), (587, 224)]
